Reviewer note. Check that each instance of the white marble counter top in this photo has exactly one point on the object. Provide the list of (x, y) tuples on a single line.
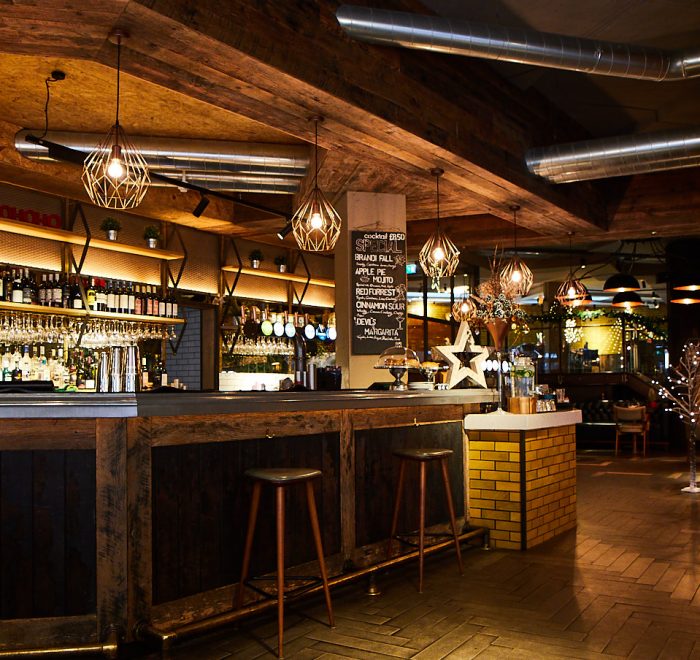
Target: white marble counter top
[(514, 422)]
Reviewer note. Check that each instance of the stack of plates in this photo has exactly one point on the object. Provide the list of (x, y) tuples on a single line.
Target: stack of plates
[(421, 385)]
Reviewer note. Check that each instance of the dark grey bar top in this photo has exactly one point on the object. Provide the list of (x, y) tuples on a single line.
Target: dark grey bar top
[(50, 406)]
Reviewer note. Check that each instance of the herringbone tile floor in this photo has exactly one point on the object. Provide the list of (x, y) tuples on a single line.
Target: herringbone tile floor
[(623, 585)]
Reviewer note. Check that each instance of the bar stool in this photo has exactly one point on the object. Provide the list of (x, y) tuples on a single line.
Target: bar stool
[(281, 478), (423, 457)]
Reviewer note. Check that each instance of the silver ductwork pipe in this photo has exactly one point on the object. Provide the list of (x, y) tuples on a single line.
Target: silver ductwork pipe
[(460, 37), (283, 164), (618, 156)]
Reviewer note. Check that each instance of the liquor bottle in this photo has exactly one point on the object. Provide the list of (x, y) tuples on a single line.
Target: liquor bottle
[(26, 288), (149, 301), (75, 297), (168, 304), (91, 295), (101, 296), (123, 298), (34, 364), (138, 300), (157, 372), (57, 291), (131, 297), (145, 375), (161, 305), (16, 372), (7, 286), (42, 291), (25, 364), (17, 296), (65, 292), (2, 285), (111, 304)]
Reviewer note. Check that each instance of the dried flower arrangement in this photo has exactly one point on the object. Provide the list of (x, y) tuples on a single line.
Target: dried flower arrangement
[(495, 301)]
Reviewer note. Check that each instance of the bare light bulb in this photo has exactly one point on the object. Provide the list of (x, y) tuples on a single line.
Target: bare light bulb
[(438, 254), (115, 169), (464, 308), (571, 292), (516, 276), (316, 221)]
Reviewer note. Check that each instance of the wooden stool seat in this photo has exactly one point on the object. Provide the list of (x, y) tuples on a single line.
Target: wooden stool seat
[(280, 479), (282, 475), (423, 456), (428, 454)]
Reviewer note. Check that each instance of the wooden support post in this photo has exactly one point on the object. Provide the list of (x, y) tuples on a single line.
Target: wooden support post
[(347, 485)]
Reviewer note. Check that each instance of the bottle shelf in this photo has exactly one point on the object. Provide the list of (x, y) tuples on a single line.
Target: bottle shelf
[(86, 314), (276, 275), (63, 236)]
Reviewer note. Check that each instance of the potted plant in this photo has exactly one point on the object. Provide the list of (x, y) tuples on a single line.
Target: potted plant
[(111, 227), (281, 263), (256, 256), (152, 236)]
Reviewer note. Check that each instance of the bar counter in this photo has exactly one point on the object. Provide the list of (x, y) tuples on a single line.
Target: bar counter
[(122, 516)]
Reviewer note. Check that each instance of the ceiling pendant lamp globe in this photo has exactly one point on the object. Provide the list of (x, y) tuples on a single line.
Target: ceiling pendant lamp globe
[(515, 275), (620, 282), (115, 174), (316, 224), (439, 257)]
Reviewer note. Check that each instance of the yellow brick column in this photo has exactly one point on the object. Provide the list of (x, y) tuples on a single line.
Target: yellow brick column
[(522, 484)]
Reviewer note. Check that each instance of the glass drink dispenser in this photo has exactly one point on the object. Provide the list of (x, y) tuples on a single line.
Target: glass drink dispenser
[(523, 398)]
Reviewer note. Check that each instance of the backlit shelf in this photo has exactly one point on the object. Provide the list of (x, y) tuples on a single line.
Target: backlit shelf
[(63, 236), (276, 275), (86, 314)]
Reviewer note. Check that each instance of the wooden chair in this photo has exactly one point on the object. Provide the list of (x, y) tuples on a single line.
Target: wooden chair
[(633, 420)]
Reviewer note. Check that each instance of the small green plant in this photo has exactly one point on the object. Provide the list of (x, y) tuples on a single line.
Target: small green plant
[(280, 260), (110, 224), (151, 232), (256, 255)]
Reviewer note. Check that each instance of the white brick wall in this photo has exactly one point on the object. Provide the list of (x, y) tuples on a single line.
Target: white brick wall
[(186, 365)]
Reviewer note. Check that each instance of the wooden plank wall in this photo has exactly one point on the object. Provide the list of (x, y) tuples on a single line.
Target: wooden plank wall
[(47, 533), (377, 475), (200, 509)]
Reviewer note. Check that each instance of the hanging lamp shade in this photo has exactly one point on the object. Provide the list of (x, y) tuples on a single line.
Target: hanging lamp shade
[(620, 282), (115, 174), (572, 292), (464, 309), (688, 284), (316, 224), (515, 275), (439, 257), (627, 299), (685, 297)]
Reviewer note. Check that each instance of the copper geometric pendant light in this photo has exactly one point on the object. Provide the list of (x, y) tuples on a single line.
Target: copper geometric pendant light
[(115, 174), (515, 274)]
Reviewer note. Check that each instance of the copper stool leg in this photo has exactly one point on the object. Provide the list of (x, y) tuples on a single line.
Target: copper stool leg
[(279, 497), (252, 519), (451, 509), (313, 516), (421, 527), (397, 504)]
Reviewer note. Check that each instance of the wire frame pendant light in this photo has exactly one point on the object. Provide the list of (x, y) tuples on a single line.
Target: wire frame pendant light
[(516, 276), (115, 174), (316, 224), (439, 257), (572, 292), (465, 308)]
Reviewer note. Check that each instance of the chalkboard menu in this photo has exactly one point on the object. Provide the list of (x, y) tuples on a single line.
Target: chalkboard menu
[(378, 290)]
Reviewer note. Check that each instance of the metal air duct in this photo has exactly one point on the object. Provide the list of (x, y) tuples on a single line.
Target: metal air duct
[(240, 166), (617, 156), (460, 37)]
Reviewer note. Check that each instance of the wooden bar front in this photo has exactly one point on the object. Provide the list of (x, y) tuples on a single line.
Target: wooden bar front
[(109, 524)]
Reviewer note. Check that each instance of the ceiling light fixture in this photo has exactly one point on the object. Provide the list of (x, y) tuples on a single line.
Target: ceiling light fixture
[(572, 292), (627, 299), (686, 298), (620, 282), (439, 257), (316, 224), (464, 309), (515, 275), (115, 174), (201, 206), (690, 284)]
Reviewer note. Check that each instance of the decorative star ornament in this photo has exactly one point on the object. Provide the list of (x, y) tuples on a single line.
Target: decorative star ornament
[(464, 343)]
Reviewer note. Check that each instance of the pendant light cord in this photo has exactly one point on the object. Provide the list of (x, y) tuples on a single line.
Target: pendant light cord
[(315, 153), (437, 194), (119, 67), (48, 81)]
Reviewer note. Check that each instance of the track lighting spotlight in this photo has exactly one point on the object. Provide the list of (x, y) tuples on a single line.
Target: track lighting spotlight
[(201, 206), (285, 231)]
